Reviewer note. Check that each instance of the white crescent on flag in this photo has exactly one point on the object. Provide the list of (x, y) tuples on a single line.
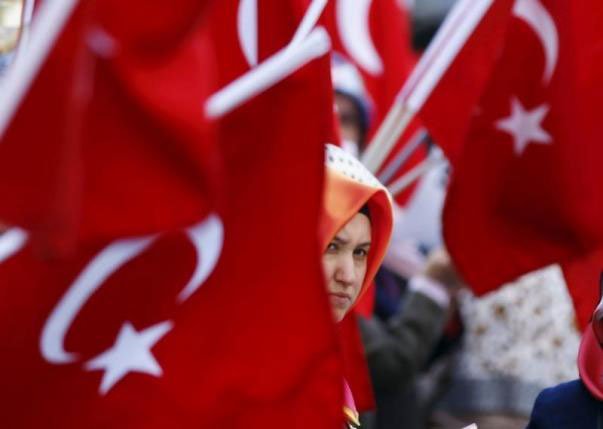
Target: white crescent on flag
[(207, 238), (354, 30), (541, 22), (108, 261), (247, 26)]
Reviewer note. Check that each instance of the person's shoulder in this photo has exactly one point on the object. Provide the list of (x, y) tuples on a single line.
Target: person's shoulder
[(567, 405), (568, 391), (567, 402)]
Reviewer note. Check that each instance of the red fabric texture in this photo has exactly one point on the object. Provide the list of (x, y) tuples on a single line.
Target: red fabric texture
[(453, 103), (110, 123), (366, 304), (255, 345), (355, 366), (582, 275), (513, 208)]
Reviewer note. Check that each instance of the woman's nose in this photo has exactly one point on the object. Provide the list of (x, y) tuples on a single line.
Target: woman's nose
[(345, 270)]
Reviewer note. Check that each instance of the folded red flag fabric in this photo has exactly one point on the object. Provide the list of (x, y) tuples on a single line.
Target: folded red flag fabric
[(112, 131), (524, 190), (217, 319), (447, 112)]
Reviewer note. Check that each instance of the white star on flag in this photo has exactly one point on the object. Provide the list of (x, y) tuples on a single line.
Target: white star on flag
[(130, 353), (525, 126)]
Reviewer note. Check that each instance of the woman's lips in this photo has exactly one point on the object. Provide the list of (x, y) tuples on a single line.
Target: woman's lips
[(341, 300)]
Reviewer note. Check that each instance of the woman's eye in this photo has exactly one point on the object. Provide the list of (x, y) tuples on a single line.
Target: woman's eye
[(361, 253), (332, 247)]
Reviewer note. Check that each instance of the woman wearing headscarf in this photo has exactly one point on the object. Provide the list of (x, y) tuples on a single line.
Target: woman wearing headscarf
[(355, 231)]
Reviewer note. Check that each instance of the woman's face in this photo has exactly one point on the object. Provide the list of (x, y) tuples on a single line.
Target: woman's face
[(344, 264)]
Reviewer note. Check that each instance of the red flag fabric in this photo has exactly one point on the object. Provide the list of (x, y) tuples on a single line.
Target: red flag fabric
[(101, 340), (524, 191), (276, 23), (304, 126), (582, 277), (111, 130), (222, 324), (375, 36), (448, 110), (355, 366)]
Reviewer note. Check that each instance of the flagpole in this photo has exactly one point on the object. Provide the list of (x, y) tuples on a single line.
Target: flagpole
[(435, 159), (46, 28), (392, 127), (419, 138), (454, 32), (273, 70)]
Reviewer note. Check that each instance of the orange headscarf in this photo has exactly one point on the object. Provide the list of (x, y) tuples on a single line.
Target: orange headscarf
[(348, 187)]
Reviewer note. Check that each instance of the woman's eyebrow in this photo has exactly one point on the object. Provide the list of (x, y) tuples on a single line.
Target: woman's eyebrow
[(340, 240)]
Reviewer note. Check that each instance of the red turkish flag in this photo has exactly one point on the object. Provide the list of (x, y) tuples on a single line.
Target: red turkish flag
[(238, 51), (112, 130), (223, 325), (108, 338), (448, 110), (524, 190)]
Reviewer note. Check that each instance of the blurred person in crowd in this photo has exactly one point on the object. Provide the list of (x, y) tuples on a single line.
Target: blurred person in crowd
[(410, 316), (517, 340), (355, 231), (577, 403), (352, 103), (399, 348)]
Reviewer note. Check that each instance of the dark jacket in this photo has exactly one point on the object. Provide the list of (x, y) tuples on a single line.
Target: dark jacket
[(396, 352), (566, 406)]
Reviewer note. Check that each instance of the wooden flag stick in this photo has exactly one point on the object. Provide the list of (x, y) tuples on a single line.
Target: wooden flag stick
[(403, 182), (47, 25), (442, 51), (273, 70)]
